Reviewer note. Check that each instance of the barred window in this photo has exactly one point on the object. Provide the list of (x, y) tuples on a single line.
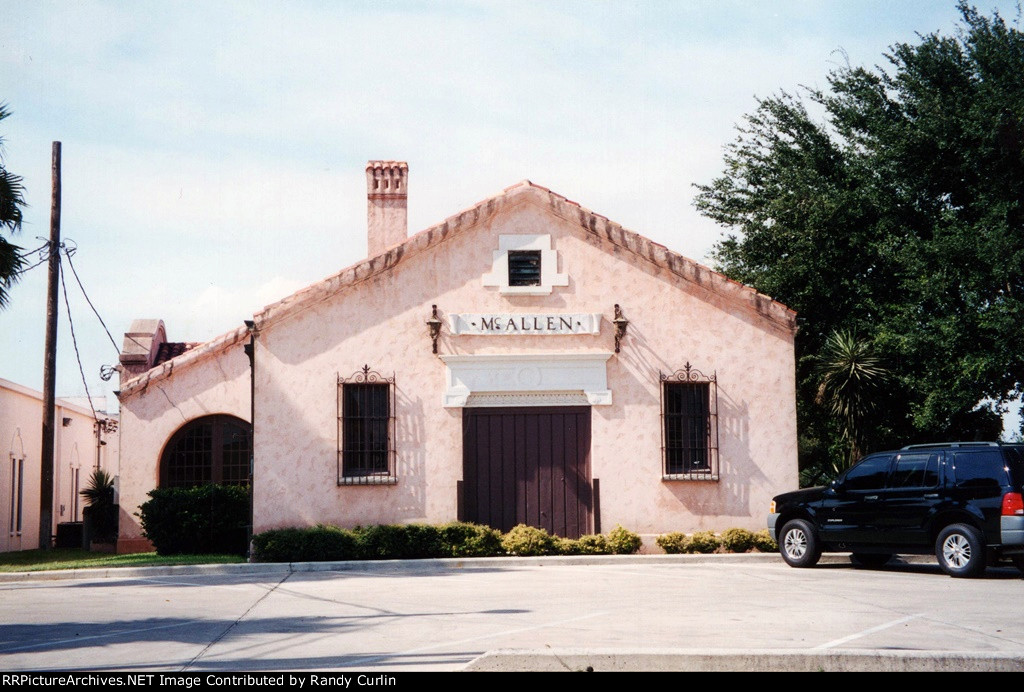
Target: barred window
[(689, 409), (366, 429), (211, 449)]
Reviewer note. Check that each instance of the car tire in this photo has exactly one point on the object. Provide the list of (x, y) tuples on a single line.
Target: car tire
[(870, 560), (960, 551), (798, 544)]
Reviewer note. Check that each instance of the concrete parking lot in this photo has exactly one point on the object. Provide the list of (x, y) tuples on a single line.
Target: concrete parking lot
[(716, 612)]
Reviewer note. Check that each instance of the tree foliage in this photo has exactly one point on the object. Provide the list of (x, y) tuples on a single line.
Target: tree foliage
[(12, 200), (851, 380), (891, 204)]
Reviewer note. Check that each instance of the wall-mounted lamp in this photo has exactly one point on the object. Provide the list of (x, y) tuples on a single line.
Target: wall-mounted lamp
[(434, 324), (620, 323)]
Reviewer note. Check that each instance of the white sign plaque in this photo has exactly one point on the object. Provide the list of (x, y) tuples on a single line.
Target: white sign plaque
[(524, 324)]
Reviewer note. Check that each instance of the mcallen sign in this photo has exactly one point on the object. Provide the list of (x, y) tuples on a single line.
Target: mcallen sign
[(500, 324)]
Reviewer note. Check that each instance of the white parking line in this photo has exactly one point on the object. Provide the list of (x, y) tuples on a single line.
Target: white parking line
[(858, 635)]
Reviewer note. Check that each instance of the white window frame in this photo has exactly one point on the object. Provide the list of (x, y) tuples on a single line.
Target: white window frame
[(549, 275)]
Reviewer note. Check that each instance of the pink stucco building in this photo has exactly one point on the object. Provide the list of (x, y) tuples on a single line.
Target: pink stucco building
[(525, 360), (84, 439)]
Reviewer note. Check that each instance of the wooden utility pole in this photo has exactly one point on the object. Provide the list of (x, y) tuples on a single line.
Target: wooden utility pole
[(50, 363)]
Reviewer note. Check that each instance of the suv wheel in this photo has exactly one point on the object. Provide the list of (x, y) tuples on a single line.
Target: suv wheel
[(870, 560), (798, 544), (960, 551)]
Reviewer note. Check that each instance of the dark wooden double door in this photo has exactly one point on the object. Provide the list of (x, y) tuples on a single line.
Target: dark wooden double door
[(528, 465)]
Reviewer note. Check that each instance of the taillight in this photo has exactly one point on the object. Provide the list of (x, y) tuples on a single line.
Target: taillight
[(1013, 505)]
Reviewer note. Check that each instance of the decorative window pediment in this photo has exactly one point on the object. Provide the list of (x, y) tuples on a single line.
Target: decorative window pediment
[(525, 265)]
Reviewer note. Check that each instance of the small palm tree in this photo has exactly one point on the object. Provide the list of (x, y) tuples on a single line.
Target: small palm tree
[(12, 199), (99, 496), (851, 377)]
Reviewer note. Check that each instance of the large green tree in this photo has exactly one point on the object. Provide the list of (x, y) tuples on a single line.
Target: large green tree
[(11, 202), (891, 204)]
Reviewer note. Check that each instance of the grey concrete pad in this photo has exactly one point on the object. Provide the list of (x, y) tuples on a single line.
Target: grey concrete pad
[(613, 613)]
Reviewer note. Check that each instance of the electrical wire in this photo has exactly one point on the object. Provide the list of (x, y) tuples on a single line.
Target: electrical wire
[(43, 257), (74, 341), (95, 312)]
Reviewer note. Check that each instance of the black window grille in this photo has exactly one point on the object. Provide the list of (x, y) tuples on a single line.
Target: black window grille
[(524, 268), (366, 427), (689, 411), (212, 449)]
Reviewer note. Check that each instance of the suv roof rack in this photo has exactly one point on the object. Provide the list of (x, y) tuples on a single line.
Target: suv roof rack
[(932, 445)]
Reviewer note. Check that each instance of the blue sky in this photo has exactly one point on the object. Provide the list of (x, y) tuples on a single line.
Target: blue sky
[(213, 152)]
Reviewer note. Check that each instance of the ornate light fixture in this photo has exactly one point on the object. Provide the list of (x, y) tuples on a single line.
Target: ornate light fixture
[(434, 324), (620, 323)]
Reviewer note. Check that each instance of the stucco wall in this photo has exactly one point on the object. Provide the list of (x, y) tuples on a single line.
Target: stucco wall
[(21, 422), (380, 322), (157, 404)]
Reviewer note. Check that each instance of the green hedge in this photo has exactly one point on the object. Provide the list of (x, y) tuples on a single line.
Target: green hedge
[(730, 541), (209, 519), (460, 539), (416, 541), (380, 542)]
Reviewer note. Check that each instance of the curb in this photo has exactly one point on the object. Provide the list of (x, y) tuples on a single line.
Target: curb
[(417, 566), (766, 660)]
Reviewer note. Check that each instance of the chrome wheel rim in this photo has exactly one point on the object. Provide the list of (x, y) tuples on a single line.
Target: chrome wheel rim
[(956, 550), (796, 544)]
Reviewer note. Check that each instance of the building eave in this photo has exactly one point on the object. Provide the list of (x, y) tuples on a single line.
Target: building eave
[(187, 359), (590, 222)]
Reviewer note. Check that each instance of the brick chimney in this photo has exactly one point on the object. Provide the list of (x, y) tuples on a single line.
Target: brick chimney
[(387, 205)]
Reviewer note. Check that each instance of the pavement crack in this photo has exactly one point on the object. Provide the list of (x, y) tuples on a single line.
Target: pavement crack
[(235, 623)]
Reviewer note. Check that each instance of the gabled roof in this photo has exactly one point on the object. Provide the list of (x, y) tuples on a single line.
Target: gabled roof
[(644, 249), (587, 220)]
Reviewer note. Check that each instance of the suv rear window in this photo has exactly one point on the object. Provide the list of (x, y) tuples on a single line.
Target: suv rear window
[(1015, 459), (978, 468)]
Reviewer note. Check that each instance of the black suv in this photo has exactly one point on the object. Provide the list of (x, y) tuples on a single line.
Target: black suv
[(962, 500)]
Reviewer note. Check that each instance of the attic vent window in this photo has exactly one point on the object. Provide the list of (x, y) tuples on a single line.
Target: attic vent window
[(525, 265), (524, 268)]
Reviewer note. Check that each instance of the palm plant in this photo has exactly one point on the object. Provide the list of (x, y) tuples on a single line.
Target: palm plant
[(12, 199), (851, 377), (99, 496)]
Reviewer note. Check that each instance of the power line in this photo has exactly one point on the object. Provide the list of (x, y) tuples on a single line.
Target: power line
[(95, 312), (74, 342)]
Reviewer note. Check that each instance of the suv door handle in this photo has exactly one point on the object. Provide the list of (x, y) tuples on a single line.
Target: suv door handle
[(871, 497), (931, 495)]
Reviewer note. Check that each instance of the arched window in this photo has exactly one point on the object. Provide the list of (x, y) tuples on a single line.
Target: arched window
[(212, 449)]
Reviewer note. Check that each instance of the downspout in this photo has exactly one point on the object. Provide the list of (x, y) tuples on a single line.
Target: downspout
[(250, 352)]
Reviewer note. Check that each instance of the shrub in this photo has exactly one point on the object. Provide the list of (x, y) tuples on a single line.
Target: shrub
[(399, 541), (673, 543), (526, 541), (592, 544), (763, 542), (703, 542), (204, 519), (460, 539), (315, 544), (279, 545), (737, 540), (622, 541), (566, 546)]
